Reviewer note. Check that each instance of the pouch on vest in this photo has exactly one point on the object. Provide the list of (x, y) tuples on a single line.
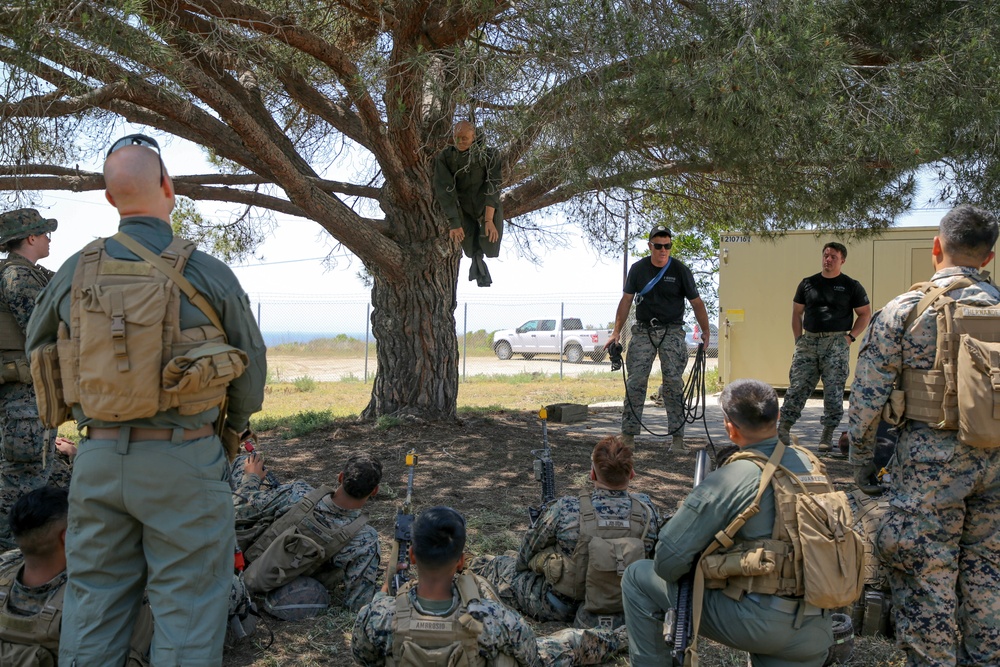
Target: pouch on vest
[(832, 553), (22, 655), (753, 563), (979, 393), (607, 562), (14, 368), (47, 379), (291, 554), (197, 381)]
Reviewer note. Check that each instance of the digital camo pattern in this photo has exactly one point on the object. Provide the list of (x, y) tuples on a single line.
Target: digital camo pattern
[(355, 567), (24, 600), (644, 346), (558, 526), (505, 632), (27, 450), (817, 358), (940, 538)]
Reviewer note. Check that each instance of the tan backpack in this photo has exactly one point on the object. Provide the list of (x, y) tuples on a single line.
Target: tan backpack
[(593, 573), (962, 390), (124, 355), (420, 640), (296, 544)]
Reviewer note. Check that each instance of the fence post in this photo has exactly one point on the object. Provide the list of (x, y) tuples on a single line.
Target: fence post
[(562, 315), (258, 314), (465, 339), (368, 319)]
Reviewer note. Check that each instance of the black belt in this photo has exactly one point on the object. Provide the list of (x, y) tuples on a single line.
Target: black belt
[(656, 324)]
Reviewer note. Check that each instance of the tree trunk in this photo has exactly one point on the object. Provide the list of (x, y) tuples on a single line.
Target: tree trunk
[(413, 321)]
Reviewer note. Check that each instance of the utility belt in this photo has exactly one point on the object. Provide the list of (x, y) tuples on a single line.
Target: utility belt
[(137, 434), (823, 334), (785, 605), (655, 324)]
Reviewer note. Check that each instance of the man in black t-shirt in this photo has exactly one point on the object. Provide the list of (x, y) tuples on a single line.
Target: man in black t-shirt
[(829, 312), (658, 285)]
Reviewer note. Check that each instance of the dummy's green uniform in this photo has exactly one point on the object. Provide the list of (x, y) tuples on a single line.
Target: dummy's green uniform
[(763, 625), (155, 514)]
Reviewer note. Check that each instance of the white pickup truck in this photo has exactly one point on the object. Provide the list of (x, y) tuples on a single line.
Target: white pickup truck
[(543, 337)]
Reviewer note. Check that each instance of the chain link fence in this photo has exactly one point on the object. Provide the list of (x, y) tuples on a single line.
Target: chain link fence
[(330, 338)]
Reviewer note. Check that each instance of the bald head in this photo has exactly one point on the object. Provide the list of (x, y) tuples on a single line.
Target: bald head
[(133, 184)]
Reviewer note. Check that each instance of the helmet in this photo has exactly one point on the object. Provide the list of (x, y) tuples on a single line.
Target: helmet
[(302, 597)]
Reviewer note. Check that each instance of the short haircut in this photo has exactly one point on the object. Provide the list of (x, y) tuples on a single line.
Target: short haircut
[(362, 473), (35, 518), (438, 537), (750, 404), (612, 460), (968, 231), (839, 247)]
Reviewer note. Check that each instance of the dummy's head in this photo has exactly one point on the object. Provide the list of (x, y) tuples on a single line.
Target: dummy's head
[(135, 179), (612, 462), (752, 407), (438, 539), (38, 521), (968, 235), (361, 475), (465, 135)]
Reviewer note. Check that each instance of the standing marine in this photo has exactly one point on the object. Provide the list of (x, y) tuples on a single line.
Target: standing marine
[(27, 452)]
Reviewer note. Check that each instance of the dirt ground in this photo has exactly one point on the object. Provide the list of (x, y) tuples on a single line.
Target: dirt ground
[(481, 466)]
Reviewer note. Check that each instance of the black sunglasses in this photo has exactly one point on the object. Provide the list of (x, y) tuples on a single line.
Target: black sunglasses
[(662, 246), (138, 140)]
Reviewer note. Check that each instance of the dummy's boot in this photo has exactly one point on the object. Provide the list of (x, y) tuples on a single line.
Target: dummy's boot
[(629, 440), (826, 439), (784, 432)]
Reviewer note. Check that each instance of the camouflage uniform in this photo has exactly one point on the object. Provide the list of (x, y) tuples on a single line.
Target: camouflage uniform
[(818, 356), (355, 566), (940, 535), (529, 592), (505, 632), (28, 600), (27, 455), (646, 343)]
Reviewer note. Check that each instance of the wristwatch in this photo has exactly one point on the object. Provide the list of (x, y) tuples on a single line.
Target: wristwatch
[(851, 336)]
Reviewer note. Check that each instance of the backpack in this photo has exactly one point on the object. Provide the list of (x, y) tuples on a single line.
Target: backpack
[(593, 573), (296, 544), (423, 640), (125, 357), (13, 361), (962, 390)]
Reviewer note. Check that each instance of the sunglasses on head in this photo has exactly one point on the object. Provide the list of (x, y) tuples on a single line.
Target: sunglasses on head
[(662, 246), (138, 140)]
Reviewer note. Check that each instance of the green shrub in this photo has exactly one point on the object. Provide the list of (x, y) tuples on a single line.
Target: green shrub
[(305, 383)]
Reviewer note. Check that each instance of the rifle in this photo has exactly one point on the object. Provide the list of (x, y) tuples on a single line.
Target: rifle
[(679, 622), (399, 572), (544, 470)]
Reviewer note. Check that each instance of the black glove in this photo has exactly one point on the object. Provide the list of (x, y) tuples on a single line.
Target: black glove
[(866, 477)]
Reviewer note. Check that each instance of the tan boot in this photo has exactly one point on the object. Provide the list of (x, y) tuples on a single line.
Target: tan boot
[(629, 440), (826, 440)]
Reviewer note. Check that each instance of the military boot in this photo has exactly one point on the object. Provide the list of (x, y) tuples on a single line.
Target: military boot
[(629, 440), (784, 431), (826, 439), (677, 443)]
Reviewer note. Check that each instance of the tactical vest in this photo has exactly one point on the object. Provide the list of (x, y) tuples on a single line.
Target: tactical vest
[(962, 390), (593, 572), (782, 565), (12, 357), (296, 544), (28, 640), (425, 640), (126, 356)]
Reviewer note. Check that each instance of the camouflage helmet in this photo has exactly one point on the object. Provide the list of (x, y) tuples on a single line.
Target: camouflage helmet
[(302, 597), (23, 222)]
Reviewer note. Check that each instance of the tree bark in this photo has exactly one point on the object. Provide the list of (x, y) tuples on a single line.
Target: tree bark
[(413, 321)]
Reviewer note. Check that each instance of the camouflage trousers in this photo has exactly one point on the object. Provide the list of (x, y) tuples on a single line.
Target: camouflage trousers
[(646, 343), (27, 452), (580, 647), (523, 590), (940, 540), (817, 357)]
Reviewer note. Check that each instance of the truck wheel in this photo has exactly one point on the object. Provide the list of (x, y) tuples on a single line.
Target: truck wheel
[(574, 354), (598, 356), (528, 355), (503, 350)]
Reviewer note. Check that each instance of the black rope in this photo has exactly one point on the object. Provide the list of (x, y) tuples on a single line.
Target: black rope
[(694, 395)]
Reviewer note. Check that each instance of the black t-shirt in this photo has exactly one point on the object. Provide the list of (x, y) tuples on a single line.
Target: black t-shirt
[(830, 302), (665, 301)]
